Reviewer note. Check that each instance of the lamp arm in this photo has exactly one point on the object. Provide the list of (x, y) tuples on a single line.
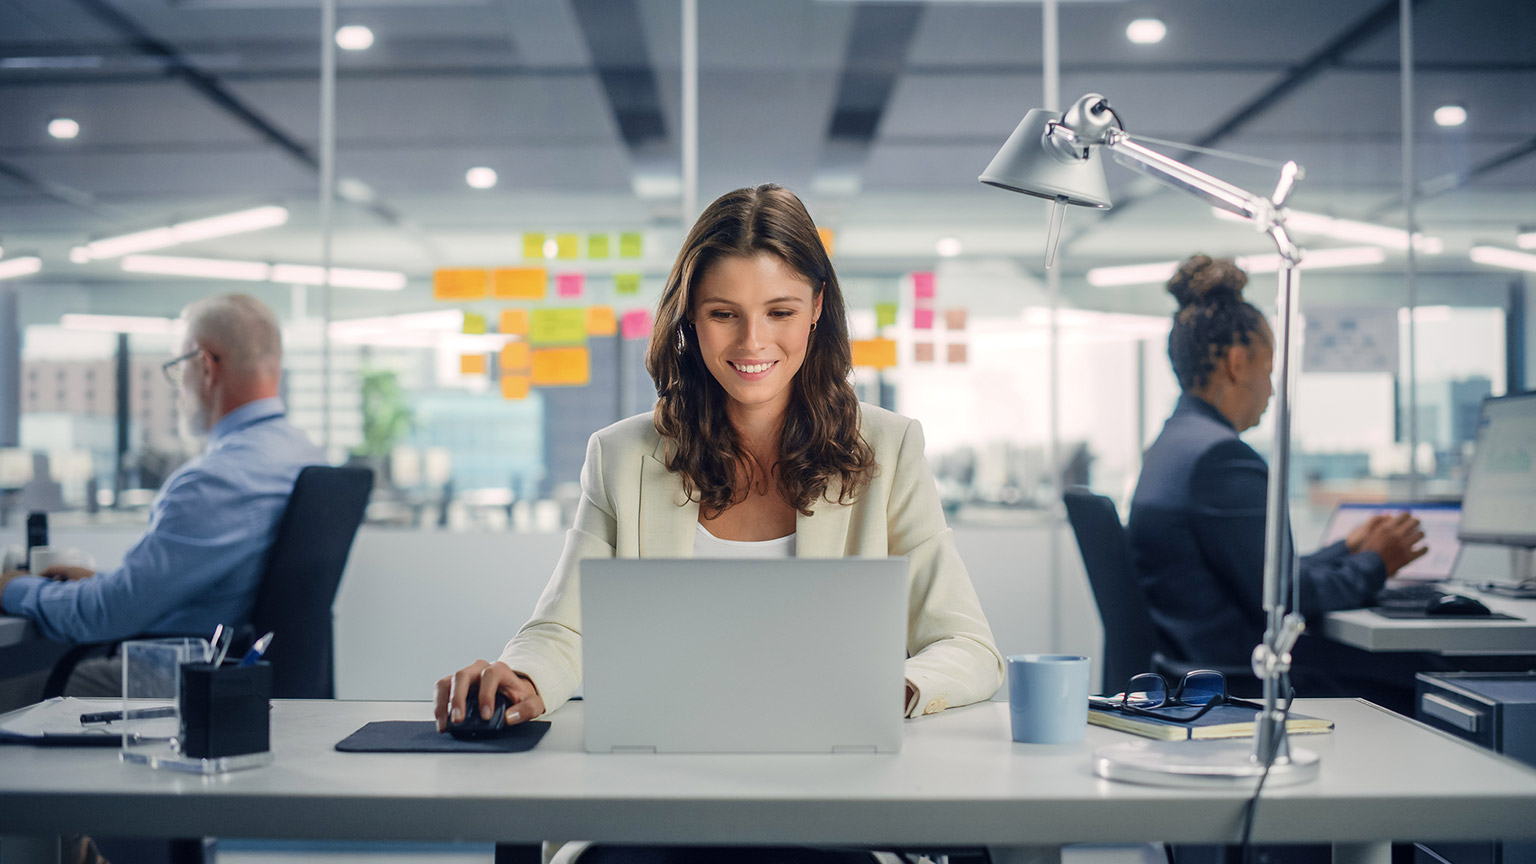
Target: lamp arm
[(1217, 193)]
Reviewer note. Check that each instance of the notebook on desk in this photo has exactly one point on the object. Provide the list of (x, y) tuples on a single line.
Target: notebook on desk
[(792, 655), (1440, 520)]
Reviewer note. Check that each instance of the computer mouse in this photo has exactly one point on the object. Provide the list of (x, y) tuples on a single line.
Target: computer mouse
[(475, 726), (1457, 604)]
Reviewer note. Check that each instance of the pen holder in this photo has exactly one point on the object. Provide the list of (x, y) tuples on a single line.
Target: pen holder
[(225, 710)]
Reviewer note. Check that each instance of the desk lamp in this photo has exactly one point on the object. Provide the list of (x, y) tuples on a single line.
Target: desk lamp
[(1056, 157)]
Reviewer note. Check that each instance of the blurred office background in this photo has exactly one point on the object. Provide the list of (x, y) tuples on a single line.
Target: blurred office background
[(493, 135)]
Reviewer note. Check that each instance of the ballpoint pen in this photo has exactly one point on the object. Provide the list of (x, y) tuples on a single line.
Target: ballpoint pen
[(257, 649), (222, 636)]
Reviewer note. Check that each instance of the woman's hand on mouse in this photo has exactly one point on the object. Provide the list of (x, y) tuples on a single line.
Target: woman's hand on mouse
[(492, 677)]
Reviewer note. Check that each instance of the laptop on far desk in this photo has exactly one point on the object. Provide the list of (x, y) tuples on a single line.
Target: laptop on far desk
[(794, 655), (1440, 521)]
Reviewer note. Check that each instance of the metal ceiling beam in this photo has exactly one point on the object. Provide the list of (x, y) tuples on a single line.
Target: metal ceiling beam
[(1451, 182)]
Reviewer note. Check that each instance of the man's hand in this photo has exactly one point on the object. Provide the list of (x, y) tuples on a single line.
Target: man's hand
[(1356, 538), (1395, 540), (5, 579), (67, 573)]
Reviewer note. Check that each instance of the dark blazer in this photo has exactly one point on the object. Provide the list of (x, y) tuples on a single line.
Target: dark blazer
[(1197, 538)]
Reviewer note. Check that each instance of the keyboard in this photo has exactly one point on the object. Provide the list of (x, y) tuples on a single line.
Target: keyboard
[(1418, 595)]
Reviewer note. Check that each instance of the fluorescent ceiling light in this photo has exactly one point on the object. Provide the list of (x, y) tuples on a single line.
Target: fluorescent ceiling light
[(1302, 222), (949, 247), (79, 255), (1132, 274), (63, 128), (1162, 271), (354, 37), (480, 177), (258, 271), (1140, 326), (447, 320), (121, 324), (20, 267), (188, 232), (1146, 31), (1496, 257), (1425, 314), (1526, 241), (1450, 115), (341, 277)]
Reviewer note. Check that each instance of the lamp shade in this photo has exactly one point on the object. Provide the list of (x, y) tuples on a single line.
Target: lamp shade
[(1024, 165)]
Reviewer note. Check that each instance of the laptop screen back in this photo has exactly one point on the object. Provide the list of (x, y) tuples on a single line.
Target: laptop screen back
[(1440, 521)]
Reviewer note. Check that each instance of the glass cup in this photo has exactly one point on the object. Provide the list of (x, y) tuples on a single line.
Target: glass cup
[(151, 698)]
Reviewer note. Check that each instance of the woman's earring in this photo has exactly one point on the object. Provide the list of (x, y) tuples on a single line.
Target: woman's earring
[(682, 341), (813, 326)]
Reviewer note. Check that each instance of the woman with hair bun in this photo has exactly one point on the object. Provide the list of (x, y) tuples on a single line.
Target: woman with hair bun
[(1197, 519)]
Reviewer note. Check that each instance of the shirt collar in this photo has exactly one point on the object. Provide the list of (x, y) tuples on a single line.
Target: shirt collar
[(254, 411), (1191, 402)]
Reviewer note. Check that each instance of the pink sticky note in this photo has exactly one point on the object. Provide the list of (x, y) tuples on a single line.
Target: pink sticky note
[(570, 284), (636, 324), (922, 284), (922, 319)]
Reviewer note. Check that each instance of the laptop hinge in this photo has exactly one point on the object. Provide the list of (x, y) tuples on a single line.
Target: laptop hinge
[(855, 748), (633, 748)]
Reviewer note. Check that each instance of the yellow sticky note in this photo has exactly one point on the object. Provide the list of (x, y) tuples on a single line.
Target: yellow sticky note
[(564, 325), (514, 322), (561, 367), (885, 314), (630, 245), (516, 357), (519, 283), (601, 321), (597, 246), (474, 322), (879, 353), (472, 364), (826, 238), (533, 246), (626, 283), (458, 285), (567, 245), (515, 387)]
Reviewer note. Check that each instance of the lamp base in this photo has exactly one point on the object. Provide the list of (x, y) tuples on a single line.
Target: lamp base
[(1200, 764)]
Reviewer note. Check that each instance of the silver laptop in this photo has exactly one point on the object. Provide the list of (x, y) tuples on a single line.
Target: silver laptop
[(1439, 519), (795, 655)]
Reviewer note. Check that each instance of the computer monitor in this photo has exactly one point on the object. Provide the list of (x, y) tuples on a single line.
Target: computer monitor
[(1499, 505)]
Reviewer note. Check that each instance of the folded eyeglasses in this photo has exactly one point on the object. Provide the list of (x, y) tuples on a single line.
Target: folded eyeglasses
[(1200, 690)]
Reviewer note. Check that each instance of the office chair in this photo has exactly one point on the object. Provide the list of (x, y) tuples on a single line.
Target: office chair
[(298, 586)]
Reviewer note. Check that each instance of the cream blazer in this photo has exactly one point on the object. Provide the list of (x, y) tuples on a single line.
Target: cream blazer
[(633, 507)]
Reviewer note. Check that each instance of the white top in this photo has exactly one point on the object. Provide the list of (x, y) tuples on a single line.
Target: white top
[(707, 545)]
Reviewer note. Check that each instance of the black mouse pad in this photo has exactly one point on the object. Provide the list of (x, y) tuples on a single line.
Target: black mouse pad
[(421, 736), (1390, 612)]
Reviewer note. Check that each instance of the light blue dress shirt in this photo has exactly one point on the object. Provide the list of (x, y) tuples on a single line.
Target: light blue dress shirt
[(200, 563)]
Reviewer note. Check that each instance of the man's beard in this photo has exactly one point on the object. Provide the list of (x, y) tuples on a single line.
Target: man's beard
[(191, 421)]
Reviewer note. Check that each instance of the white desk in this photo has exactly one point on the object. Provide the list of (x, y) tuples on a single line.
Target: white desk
[(1365, 629), (959, 780)]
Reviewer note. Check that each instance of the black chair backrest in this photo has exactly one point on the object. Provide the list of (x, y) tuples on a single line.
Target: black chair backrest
[(1130, 639), (303, 571)]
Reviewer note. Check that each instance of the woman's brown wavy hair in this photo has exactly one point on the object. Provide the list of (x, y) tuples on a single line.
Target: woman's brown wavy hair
[(820, 439)]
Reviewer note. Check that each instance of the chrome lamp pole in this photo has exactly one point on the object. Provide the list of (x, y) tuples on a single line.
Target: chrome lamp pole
[(1058, 158)]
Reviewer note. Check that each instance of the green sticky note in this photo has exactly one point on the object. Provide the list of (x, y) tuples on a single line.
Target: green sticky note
[(885, 314), (626, 283), (474, 322), (567, 245), (562, 325), (630, 245), (533, 246), (597, 246)]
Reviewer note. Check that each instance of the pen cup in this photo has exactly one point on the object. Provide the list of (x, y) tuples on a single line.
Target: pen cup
[(225, 710), (151, 698)]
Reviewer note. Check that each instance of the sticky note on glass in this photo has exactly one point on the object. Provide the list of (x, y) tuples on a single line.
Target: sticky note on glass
[(566, 325), (514, 322), (474, 322), (597, 246), (472, 364), (630, 245), (561, 367), (954, 319), (570, 284), (533, 245), (601, 321), (885, 314), (516, 357), (879, 353), (458, 285), (826, 238), (922, 319), (636, 324), (519, 283), (957, 352), (515, 387), (922, 285), (567, 246), (626, 283), (922, 352)]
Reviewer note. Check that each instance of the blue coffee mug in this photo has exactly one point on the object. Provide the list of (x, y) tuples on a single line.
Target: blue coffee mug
[(1048, 697)]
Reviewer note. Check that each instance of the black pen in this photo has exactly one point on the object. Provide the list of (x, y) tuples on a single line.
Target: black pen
[(135, 714)]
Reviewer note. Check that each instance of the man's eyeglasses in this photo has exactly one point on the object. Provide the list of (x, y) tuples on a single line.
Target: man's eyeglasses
[(1201, 689), (172, 368)]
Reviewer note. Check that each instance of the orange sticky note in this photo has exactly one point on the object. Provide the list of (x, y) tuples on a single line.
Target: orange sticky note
[(516, 357), (519, 283), (472, 364), (458, 285), (826, 238), (561, 367), (957, 352), (601, 321), (879, 353), (514, 322), (922, 352), (515, 386), (954, 318)]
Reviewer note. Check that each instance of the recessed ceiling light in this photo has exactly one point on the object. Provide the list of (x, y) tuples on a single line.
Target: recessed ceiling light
[(1450, 115), (1526, 240), (1146, 31), (354, 37), (63, 127), (551, 248), (949, 247), (480, 178)]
